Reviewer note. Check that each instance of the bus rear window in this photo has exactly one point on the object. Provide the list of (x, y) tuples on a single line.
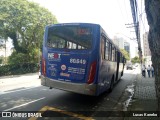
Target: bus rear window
[(70, 37)]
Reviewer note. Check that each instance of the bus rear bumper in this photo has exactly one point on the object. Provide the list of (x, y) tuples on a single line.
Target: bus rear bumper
[(81, 88)]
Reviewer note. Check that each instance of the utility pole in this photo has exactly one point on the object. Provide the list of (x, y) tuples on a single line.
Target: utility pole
[(133, 4)]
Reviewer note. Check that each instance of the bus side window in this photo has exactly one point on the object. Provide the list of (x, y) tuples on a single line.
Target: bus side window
[(110, 51), (74, 46), (120, 57), (107, 50), (113, 53), (102, 47)]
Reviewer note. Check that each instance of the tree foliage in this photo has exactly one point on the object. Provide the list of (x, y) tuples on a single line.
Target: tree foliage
[(1, 60), (135, 60), (24, 23), (17, 58), (126, 54)]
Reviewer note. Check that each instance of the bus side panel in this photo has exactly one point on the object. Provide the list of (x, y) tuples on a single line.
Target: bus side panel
[(95, 57), (107, 71)]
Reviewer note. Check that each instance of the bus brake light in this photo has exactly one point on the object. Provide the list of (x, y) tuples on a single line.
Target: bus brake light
[(92, 73), (43, 67)]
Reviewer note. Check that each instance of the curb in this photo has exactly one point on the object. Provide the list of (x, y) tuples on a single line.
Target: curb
[(11, 76)]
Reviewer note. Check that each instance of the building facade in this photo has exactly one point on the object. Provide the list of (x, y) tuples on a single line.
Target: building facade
[(127, 47), (146, 50), (122, 44), (119, 41)]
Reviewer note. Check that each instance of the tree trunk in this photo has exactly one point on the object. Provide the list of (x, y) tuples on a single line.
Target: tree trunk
[(152, 8), (18, 48), (5, 47)]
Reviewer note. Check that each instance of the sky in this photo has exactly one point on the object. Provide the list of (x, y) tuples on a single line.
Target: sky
[(112, 15)]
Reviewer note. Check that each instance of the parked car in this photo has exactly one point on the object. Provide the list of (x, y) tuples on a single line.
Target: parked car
[(129, 66), (136, 65)]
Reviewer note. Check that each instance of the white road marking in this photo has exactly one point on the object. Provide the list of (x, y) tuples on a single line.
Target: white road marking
[(24, 104), (10, 91)]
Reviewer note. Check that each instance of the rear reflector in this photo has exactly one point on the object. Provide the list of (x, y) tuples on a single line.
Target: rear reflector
[(43, 67), (92, 73)]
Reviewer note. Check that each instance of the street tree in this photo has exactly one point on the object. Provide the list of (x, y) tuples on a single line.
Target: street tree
[(1, 43), (135, 60), (152, 8), (24, 23), (125, 53)]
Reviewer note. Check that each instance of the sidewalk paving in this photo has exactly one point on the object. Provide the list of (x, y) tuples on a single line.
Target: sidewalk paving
[(144, 98), (19, 81)]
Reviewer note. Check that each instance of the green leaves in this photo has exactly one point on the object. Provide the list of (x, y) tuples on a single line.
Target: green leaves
[(24, 23), (125, 53), (135, 60)]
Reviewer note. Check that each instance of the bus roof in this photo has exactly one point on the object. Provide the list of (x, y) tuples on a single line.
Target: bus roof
[(61, 24)]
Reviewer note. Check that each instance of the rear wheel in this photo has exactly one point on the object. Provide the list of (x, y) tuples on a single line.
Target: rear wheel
[(111, 85)]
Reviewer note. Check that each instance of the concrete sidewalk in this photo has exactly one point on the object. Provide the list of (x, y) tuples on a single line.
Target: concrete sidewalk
[(19, 81), (144, 98), (12, 76)]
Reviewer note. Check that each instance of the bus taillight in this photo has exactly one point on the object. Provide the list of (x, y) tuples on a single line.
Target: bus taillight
[(92, 73), (43, 67)]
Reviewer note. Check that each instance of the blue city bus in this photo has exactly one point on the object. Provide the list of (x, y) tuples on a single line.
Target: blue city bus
[(80, 58)]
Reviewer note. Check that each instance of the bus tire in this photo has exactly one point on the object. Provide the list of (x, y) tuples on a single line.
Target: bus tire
[(111, 85)]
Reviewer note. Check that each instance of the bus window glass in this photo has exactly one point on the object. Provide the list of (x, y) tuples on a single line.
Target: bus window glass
[(73, 46), (113, 53), (120, 57), (110, 51), (107, 50), (102, 47), (70, 37)]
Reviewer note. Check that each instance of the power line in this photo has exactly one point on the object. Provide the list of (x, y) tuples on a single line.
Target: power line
[(126, 10), (140, 15), (120, 10)]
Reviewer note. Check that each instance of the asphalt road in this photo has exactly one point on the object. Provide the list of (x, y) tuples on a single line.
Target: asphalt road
[(23, 94)]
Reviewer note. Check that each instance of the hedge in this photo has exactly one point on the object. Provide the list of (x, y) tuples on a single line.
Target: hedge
[(16, 69)]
